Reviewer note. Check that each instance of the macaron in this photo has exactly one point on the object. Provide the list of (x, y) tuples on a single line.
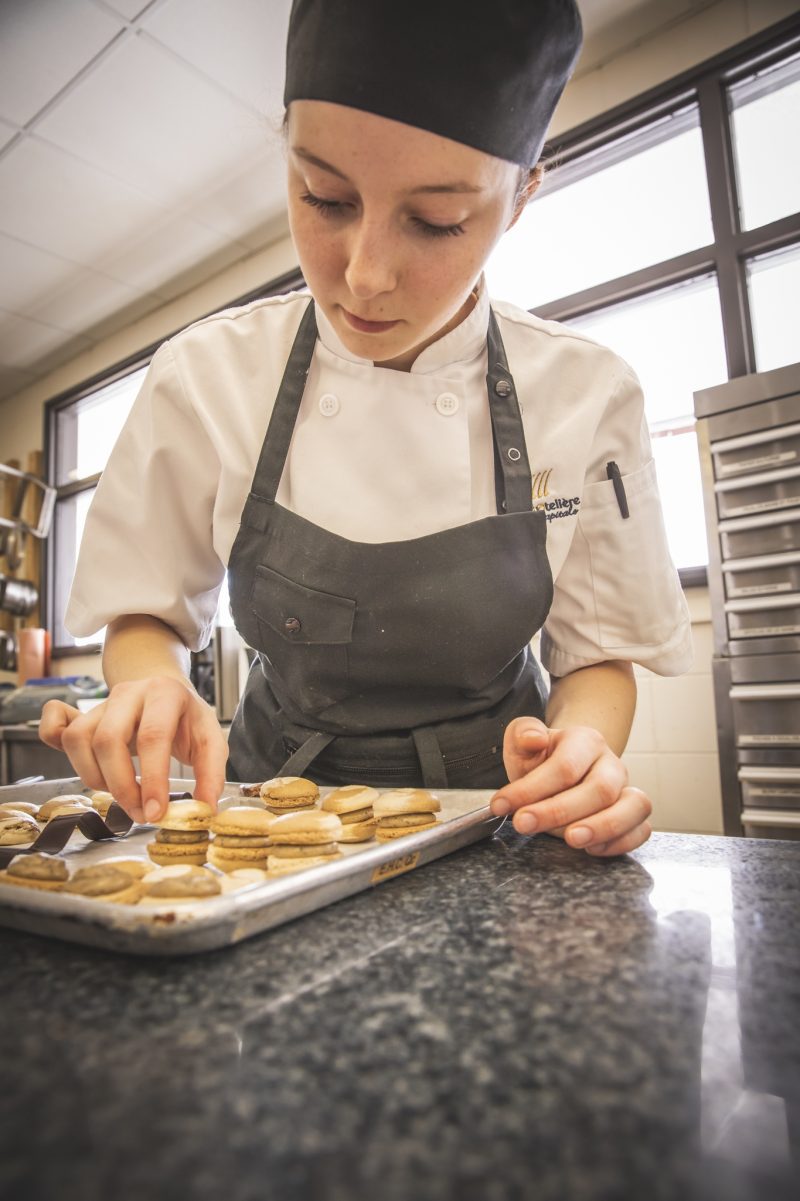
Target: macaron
[(287, 793), (59, 806), (304, 839), (135, 868), (189, 886), (241, 837), (19, 807), (404, 811), (101, 801), (182, 834), (243, 877), (102, 883), (18, 831), (44, 872), (353, 804)]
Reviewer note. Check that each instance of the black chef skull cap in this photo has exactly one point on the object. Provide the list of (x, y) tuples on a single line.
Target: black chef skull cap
[(487, 73)]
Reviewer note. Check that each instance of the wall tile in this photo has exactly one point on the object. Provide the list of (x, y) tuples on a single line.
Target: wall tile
[(683, 715), (689, 797)]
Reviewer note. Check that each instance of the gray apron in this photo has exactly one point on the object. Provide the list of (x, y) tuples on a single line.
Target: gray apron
[(395, 663)]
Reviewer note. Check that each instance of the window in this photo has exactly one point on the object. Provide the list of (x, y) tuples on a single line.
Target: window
[(81, 428), (670, 231)]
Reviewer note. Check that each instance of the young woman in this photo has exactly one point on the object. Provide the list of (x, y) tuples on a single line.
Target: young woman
[(404, 481)]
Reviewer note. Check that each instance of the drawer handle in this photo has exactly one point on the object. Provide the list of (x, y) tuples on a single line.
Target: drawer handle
[(770, 817), (765, 692), (755, 481), (769, 775), (760, 521), (761, 562), (754, 604), (768, 435)]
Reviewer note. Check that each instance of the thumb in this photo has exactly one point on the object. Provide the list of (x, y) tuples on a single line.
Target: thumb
[(526, 744)]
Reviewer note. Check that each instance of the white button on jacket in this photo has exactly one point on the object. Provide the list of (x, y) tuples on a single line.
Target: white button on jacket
[(447, 404)]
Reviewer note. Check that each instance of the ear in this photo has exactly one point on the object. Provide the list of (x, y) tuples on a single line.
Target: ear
[(535, 177)]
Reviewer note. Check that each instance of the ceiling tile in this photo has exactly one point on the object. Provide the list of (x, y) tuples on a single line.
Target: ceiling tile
[(167, 257), (6, 133), (63, 206), (129, 9), (246, 206), (28, 275), (240, 44), (30, 344), (42, 47), (83, 301), (150, 121)]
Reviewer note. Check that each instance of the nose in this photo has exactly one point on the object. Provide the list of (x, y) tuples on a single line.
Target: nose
[(370, 267)]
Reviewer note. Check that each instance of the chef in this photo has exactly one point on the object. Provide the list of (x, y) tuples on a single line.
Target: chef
[(404, 480)]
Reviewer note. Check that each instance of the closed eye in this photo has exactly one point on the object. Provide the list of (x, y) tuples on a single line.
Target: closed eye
[(331, 208)]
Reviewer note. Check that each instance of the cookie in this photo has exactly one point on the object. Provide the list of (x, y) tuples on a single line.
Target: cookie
[(287, 793), (44, 872), (353, 804), (102, 883), (241, 838), (58, 806), (186, 815), (18, 831), (305, 828), (19, 807), (190, 886), (101, 802), (404, 811), (135, 868)]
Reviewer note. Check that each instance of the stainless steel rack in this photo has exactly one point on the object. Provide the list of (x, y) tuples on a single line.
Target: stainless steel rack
[(749, 437)]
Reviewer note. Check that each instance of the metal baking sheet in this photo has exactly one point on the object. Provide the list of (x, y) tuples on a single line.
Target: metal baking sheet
[(188, 928)]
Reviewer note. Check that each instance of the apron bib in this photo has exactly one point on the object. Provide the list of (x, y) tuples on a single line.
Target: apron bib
[(396, 663)]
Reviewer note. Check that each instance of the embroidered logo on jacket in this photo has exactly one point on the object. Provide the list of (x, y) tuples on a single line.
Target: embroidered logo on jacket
[(558, 506)]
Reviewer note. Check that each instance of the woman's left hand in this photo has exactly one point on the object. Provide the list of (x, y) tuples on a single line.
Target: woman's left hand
[(569, 782)]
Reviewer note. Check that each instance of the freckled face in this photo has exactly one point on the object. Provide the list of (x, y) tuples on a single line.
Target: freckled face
[(392, 225)]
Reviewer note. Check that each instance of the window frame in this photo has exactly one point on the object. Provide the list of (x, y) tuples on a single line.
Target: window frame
[(727, 257)]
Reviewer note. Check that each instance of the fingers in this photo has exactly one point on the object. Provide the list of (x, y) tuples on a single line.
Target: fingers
[(164, 710), (525, 744), (621, 827), (56, 716), (209, 760), (570, 756), (76, 742)]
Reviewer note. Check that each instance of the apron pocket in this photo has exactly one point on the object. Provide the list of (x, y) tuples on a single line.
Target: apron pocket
[(305, 635)]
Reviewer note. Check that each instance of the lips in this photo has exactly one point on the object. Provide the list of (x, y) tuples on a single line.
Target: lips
[(368, 327)]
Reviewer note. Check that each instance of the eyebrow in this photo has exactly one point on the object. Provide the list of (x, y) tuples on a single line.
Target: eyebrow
[(459, 185)]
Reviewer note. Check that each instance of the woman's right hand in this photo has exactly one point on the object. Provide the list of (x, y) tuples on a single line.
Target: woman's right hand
[(154, 718)]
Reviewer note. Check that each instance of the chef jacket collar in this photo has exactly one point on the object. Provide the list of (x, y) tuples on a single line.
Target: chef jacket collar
[(461, 344)]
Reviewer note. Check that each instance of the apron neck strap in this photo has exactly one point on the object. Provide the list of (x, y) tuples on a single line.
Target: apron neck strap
[(512, 473)]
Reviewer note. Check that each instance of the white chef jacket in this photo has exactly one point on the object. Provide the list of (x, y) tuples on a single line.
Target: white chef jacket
[(381, 455)]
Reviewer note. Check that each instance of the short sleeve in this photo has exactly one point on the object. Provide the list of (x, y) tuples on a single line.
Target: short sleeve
[(147, 545), (618, 595)]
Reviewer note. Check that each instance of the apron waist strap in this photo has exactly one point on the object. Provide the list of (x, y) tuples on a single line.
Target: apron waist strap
[(305, 754), (426, 745)]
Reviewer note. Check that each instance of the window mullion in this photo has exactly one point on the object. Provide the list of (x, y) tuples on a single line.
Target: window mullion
[(721, 174)]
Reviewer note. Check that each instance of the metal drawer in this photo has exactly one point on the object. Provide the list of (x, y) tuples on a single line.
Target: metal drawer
[(770, 787), (762, 534), (758, 493), (766, 715), (763, 617), (760, 451), (762, 575)]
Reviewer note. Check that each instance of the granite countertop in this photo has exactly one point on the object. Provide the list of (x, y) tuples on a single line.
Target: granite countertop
[(514, 1021)]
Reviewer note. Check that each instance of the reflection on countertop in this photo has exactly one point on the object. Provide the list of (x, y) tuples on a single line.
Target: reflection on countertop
[(516, 1020)]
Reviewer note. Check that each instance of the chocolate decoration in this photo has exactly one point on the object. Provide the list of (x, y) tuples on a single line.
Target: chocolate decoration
[(58, 831)]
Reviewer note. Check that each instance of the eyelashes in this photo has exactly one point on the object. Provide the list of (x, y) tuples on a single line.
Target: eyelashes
[(333, 208)]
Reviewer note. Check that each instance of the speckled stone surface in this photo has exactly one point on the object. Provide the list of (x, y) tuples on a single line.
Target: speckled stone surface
[(514, 1021)]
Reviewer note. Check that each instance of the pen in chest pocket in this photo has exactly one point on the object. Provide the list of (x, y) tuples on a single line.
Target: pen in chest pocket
[(615, 475)]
